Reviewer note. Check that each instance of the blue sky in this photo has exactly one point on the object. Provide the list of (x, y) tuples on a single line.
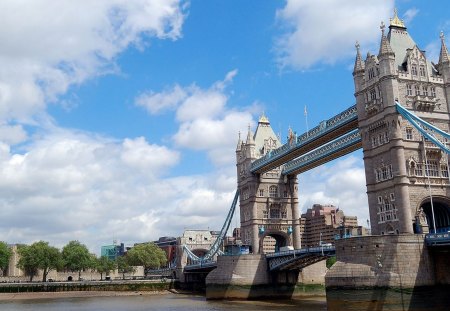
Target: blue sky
[(119, 119)]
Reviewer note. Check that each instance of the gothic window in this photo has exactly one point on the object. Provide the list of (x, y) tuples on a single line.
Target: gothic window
[(274, 213), (380, 199), (431, 169), (261, 192), (422, 70), (265, 214), (433, 92), (417, 90), (414, 70), (444, 170), (409, 90), (392, 196), (371, 73), (425, 91), (273, 191), (373, 94), (419, 170), (283, 214), (285, 194), (409, 133)]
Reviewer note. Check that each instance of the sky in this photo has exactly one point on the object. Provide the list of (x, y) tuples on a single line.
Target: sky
[(119, 119)]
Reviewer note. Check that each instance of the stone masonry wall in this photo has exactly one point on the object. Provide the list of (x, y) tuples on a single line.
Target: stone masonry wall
[(382, 261)]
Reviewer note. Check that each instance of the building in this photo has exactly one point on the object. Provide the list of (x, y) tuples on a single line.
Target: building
[(169, 246), (322, 224), (268, 201), (406, 175), (113, 251)]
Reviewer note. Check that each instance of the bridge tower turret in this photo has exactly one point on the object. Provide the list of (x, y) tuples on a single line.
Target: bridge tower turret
[(402, 169), (268, 201)]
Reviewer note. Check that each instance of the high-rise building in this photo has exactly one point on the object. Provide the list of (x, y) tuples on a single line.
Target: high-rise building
[(322, 224)]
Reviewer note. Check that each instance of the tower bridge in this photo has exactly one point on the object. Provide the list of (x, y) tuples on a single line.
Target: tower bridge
[(401, 121)]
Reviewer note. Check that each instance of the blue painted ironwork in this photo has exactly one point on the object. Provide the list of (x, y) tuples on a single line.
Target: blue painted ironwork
[(325, 127), (351, 139), (426, 129), (215, 248), (438, 239), (299, 258)]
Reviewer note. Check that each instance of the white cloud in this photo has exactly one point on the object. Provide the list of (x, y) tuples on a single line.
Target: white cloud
[(341, 183), (325, 31), (410, 14), (49, 45), (205, 121)]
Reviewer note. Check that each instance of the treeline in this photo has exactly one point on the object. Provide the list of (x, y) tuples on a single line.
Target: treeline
[(75, 257)]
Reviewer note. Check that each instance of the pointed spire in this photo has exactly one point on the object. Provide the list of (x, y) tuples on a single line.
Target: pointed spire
[(443, 55), (396, 22), (359, 64), (385, 47), (250, 140), (239, 144)]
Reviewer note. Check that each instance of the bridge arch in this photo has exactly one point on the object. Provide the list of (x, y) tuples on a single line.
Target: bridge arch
[(200, 252), (279, 239), (441, 207)]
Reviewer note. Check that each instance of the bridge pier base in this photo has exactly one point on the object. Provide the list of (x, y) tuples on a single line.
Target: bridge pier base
[(248, 277)]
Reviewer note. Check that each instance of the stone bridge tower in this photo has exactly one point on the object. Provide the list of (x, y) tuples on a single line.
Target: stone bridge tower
[(268, 201), (402, 169)]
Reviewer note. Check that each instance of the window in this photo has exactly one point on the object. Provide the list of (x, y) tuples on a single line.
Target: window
[(274, 213), (265, 214), (409, 90), (444, 170), (422, 70), (431, 169), (283, 214), (425, 91), (261, 192), (285, 194), (418, 171), (373, 94), (371, 73), (417, 90), (273, 191), (414, 70), (380, 200), (392, 196), (433, 92), (409, 134)]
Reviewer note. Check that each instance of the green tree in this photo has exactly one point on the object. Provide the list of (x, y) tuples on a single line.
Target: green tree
[(76, 257), (148, 255), (123, 266), (104, 265), (5, 255), (330, 261), (38, 255)]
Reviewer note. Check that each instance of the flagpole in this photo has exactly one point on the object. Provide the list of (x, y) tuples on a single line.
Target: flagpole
[(306, 120)]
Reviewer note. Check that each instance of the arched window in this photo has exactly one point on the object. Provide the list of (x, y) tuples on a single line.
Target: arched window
[(273, 191)]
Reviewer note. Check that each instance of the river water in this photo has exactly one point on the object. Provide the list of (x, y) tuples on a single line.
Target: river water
[(166, 302)]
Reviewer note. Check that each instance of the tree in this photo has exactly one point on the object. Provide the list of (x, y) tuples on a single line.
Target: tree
[(104, 265), (330, 261), (76, 257), (5, 255), (123, 266), (38, 255), (148, 255)]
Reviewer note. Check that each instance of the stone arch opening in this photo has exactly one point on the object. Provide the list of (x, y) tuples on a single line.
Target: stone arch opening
[(272, 242), (441, 207)]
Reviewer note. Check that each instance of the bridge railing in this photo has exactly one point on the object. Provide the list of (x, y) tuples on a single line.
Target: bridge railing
[(324, 127), (306, 250), (341, 143), (438, 239)]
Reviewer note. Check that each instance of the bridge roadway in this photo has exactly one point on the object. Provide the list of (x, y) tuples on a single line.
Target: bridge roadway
[(280, 261), (324, 133)]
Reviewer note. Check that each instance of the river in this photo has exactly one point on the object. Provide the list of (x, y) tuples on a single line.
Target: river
[(165, 302)]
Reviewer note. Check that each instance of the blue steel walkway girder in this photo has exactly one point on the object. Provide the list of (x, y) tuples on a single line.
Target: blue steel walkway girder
[(299, 258), (330, 151), (326, 131)]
